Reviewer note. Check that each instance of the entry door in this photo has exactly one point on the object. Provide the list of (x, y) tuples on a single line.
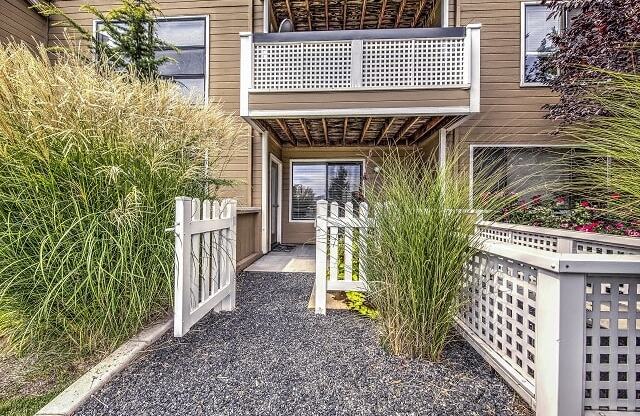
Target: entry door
[(274, 201)]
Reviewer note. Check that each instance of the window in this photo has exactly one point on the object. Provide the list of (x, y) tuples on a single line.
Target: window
[(312, 181), (526, 170), (537, 26), (188, 65)]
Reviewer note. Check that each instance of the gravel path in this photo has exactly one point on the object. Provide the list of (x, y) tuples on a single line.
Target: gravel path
[(272, 356)]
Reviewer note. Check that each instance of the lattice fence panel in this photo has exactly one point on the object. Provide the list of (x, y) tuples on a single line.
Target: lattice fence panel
[(589, 247), (537, 241), (439, 62), (495, 234), (612, 362), (500, 308), (388, 63), (285, 66)]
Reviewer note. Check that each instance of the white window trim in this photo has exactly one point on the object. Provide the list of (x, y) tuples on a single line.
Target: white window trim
[(206, 43), (523, 25), (510, 145), (274, 158), (292, 161)]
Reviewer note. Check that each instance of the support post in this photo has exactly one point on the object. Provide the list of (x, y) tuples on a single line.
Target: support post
[(472, 64), (560, 343), (321, 258), (246, 71), (264, 192), (182, 298)]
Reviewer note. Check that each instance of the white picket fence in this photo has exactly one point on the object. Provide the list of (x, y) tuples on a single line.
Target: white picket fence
[(340, 249), (205, 260)]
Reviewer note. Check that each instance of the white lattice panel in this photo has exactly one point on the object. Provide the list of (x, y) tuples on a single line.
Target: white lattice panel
[(537, 241), (501, 309), (495, 234), (283, 66), (612, 362), (388, 63), (590, 247), (439, 62)]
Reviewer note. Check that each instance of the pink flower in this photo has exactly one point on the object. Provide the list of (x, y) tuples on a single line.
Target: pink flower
[(536, 199), (633, 233), (585, 204), (620, 226), (561, 200), (615, 197)]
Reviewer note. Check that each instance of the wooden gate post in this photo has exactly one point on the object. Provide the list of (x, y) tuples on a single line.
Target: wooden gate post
[(182, 298), (321, 257)]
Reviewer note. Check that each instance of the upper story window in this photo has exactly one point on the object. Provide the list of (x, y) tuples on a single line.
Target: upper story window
[(537, 24), (333, 181), (188, 64)]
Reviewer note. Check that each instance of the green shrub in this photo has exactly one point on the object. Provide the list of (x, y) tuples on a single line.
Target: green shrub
[(423, 237), (90, 163)]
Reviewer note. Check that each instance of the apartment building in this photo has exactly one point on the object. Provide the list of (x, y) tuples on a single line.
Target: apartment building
[(325, 87)]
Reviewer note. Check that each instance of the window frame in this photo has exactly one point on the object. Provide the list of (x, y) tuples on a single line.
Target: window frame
[(472, 148), (523, 46), (207, 50), (362, 162)]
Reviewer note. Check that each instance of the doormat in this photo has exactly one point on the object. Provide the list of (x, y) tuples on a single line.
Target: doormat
[(283, 248)]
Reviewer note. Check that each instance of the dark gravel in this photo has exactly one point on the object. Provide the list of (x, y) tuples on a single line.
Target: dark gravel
[(272, 356)]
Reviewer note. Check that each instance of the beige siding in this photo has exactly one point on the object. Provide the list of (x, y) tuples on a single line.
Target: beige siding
[(248, 238), (20, 23), (509, 113), (401, 98), (226, 19)]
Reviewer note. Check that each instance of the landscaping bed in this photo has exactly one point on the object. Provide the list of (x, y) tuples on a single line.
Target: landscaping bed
[(274, 356)]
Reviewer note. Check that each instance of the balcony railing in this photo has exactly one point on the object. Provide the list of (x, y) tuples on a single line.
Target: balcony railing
[(362, 59)]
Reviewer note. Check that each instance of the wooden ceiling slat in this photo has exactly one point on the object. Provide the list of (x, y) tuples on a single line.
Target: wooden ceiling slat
[(289, 11), (425, 130), (365, 128), (405, 128), (400, 13), (309, 15), (344, 15), (305, 130), (287, 131), (416, 17), (326, 14), (363, 13), (381, 14), (325, 131), (384, 131), (344, 131)]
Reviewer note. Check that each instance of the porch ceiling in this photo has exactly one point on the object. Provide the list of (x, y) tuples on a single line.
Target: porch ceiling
[(349, 14), (355, 131)]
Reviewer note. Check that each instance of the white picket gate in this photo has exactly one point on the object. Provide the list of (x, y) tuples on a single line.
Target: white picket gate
[(340, 250), (205, 260)]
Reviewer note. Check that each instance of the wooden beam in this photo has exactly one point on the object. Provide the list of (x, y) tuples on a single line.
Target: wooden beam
[(289, 10), (287, 131), (363, 12), (384, 131), (403, 3), (309, 15), (272, 17), (416, 17), (367, 123), (325, 130), (326, 14), (344, 131), (425, 130), (305, 130), (405, 128), (381, 14), (270, 131)]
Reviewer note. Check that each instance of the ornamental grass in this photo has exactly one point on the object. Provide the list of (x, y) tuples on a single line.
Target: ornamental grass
[(422, 239), (90, 163)]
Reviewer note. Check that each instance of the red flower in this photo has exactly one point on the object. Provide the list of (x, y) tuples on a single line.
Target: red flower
[(619, 226), (561, 200), (615, 197), (585, 204), (536, 199)]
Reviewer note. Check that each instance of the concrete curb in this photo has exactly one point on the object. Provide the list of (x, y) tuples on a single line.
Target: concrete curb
[(72, 397)]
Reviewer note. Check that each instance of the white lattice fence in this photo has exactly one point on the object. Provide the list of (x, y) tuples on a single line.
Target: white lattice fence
[(376, 63), (558, 241), (500, 309), (612, 359)]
